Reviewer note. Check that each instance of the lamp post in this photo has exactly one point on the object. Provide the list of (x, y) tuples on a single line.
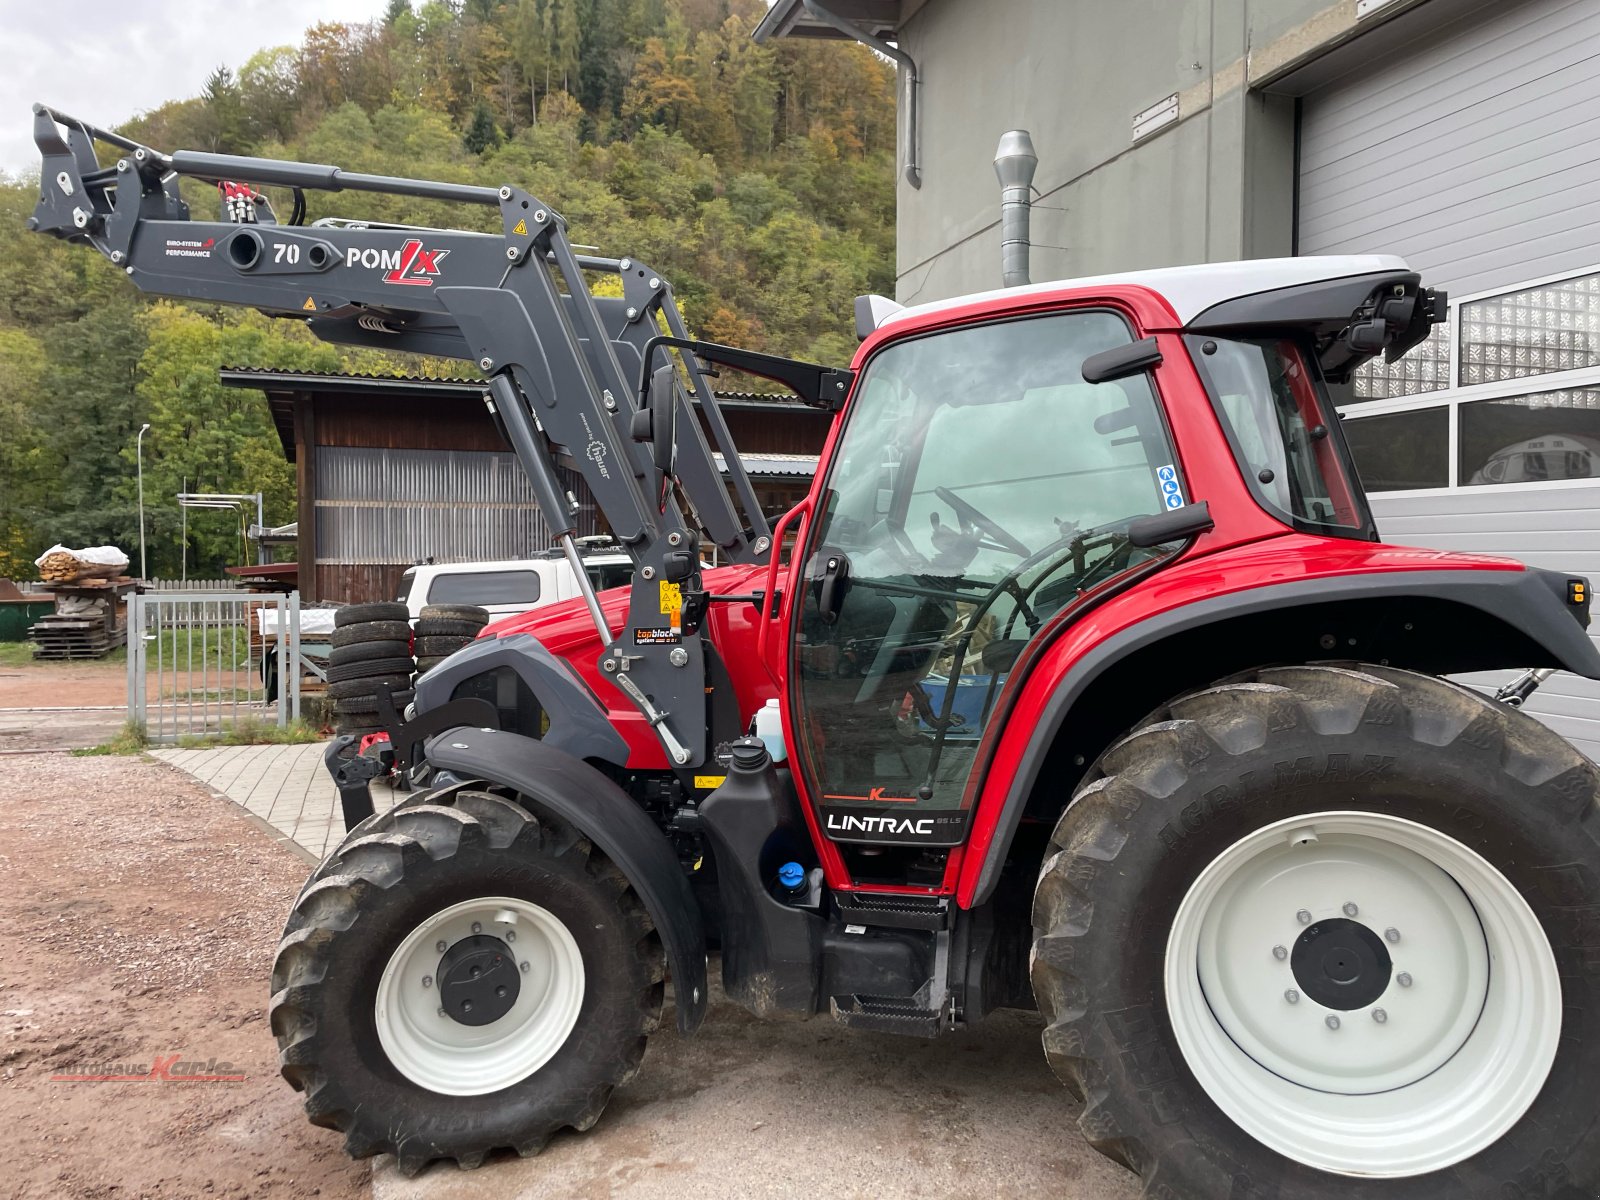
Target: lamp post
[(138, 443)]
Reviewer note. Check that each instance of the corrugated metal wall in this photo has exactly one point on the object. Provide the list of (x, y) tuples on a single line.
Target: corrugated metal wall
[(1473, 154), (1553, 528), (380, 505)]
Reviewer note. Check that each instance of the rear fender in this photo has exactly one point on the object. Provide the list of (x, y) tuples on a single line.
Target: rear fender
[(602, 812), (1437, 622)]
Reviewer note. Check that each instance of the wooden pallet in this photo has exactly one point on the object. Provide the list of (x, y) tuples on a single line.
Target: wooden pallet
[(58, 637)]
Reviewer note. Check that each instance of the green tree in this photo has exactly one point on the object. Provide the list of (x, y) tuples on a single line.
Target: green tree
[(482, 135)]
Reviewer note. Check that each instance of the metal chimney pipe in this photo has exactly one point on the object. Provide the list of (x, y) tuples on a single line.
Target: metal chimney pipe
[(1014, 164)]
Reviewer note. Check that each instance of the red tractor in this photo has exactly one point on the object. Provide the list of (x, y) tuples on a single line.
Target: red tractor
[(1081, 679)]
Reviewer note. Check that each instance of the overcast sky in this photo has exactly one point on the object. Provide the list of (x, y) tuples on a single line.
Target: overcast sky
[(105, 61)]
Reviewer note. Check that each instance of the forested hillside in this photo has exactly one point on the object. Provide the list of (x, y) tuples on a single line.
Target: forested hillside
[(760, 179)]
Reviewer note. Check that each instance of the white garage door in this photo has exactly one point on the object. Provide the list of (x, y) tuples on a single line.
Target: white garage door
[(1474, 152)]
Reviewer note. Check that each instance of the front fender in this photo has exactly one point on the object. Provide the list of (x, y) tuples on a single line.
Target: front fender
[(579, 723), (605, 814)]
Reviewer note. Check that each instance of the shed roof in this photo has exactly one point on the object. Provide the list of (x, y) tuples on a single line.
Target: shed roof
[(281, 386)]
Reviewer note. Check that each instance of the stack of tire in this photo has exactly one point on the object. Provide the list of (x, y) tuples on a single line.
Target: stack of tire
[(442, 629), (371, 646)]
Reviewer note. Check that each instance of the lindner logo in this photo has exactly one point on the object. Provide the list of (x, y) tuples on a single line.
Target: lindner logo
[(411, 265)]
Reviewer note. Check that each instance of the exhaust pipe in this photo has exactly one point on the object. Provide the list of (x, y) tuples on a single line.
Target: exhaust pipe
[(1014, 164)]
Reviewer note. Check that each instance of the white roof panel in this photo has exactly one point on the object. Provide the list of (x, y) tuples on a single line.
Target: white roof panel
[(1193, 289)]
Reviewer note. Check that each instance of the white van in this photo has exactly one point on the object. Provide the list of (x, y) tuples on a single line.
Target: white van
[(505, 588)]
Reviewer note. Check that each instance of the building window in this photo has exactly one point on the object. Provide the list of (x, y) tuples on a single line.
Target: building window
[(1403, 451), (1553, 327), (1531, 439), (1425, 368)]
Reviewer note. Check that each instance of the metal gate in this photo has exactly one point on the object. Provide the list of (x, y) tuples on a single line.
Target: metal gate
[(204, 664)]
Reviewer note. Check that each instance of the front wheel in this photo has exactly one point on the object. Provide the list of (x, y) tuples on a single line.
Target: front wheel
[(463, 974), (1329, 933)]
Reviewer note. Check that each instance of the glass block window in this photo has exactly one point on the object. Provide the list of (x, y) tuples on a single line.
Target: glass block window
[(1425, 368), (1530, 439), (1555, 327), (1401, 451)]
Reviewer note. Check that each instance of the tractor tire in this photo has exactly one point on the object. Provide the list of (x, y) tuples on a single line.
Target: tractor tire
[(356, 987), (358, 614), (367, 704), (372, 668), (433, 613), (368, 685), (428, 663), (359, 652), (440, 647), (355, 726), (465, 630), (372, 631), (1263, 933)]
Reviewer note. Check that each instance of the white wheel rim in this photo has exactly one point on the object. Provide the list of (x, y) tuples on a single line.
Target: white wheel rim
[(437, 1052), (1427, 1073)]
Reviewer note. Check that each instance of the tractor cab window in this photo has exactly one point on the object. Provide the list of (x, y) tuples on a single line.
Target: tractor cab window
[(1284, 431), (980, 486)]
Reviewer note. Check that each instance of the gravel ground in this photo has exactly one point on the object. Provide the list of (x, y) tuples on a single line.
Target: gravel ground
[(142, 917)]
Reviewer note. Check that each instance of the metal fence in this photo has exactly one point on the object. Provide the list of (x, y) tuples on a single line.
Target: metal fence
[(203, 663)]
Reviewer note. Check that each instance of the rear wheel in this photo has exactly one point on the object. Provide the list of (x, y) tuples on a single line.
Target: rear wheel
[(1310, 934), (436, 971)]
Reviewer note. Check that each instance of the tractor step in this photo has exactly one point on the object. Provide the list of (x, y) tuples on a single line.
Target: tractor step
[(887, 1014), (892, 911)]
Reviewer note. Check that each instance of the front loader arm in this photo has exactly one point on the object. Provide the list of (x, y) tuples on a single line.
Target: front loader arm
[(565, 368)]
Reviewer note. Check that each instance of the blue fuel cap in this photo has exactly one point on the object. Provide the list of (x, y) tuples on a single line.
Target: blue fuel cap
[(791, 875)]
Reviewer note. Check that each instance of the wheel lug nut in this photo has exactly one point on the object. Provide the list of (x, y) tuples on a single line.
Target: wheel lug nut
[(501, 992), (1403, 979), (1391, 934), (524, 968), (466, 1006), (1350, 910), (511, 935), (1332, 1021), (1292, 996), (1303, 917), (1279, 953), (441, 946), (427, 981), (442, 1013), (477, 927), (1379, 1015)]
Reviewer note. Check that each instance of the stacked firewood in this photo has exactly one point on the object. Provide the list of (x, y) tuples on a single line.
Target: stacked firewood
[(60, 565)]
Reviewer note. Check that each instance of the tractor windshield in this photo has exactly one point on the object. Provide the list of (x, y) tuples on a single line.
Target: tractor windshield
[(979, 487)]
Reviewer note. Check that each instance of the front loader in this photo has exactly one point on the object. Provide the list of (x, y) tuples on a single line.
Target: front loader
[(1096, 692)]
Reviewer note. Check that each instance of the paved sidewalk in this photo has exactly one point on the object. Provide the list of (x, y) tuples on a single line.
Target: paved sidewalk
[(287, 787)]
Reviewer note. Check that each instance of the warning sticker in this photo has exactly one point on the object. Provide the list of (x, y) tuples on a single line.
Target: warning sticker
[(310, 305), (671, 597), (709, 782), (520, 227), (1167, 481), (656, 637)]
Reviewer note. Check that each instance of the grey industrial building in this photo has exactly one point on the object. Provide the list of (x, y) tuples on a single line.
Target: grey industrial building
[(1461, 134)]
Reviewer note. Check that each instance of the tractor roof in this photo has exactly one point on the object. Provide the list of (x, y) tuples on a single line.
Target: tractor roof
[(1189, 291)]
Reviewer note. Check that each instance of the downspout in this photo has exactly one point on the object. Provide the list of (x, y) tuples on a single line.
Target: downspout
[(1014, 164), (908, 79)]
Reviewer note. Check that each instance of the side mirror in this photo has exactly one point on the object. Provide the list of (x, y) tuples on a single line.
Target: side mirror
[(654, 423)]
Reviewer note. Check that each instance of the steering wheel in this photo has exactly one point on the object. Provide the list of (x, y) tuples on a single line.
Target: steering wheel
[(972, 518)]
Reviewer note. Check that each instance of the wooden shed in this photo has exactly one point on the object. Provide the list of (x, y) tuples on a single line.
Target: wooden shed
[(392, 471)]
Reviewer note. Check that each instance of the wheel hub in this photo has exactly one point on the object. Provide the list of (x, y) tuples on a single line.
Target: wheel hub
[(1328, 982), (1341, 964), (479, 995), (478, 980)]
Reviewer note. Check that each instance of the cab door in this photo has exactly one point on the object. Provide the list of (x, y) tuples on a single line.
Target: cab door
[(979, 486)]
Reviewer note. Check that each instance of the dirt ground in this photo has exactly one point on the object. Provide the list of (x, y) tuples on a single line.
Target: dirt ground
[(64, 685), (142, 914)]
